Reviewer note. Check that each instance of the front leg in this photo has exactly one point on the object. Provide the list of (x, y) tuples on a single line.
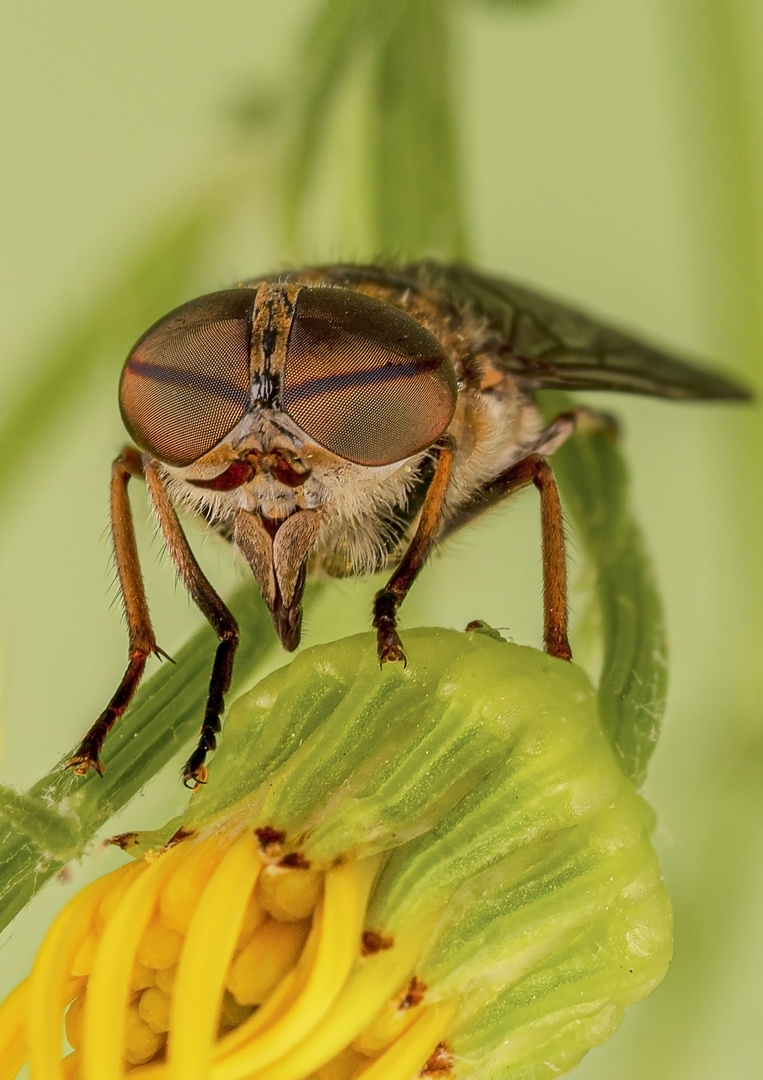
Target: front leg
[(215, 612), (389, 599), (141, 635)]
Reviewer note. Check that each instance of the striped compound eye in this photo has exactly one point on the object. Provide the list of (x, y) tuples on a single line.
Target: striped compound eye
[(186, 383), (363, 379)]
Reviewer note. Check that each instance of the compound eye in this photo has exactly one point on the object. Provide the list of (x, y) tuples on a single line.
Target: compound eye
[(186, 383), (363, 379)]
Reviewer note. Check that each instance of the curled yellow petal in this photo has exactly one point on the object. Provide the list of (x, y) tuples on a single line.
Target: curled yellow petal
[(105, 1022), (372, 981), (198, 988), (13, 1045), (395, 1017), (50, 980), (342, 906), (404, 1057)]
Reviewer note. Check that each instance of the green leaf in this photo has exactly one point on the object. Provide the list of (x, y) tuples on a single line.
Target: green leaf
[(415, 181), (53, 830), (403, 47), (593, 480), (331, 43)]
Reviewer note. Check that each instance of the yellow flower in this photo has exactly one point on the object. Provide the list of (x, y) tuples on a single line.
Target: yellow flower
[(221, 963), (423, 872)]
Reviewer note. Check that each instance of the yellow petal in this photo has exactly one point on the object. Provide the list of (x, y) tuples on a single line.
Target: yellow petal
[(106, 1008), (373, 980), (198, 989), (406, 1057), (13, 1031), (395, 1017), (51, 974), (341, 909)]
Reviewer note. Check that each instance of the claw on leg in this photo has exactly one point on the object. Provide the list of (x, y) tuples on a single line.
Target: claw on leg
[(389, 647), (84, 760), (194, 777), (390, 651)]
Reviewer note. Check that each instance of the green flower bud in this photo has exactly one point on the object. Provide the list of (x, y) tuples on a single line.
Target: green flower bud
[(424, 870)]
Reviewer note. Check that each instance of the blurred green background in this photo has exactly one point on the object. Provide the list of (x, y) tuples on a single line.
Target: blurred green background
[(612, 154)]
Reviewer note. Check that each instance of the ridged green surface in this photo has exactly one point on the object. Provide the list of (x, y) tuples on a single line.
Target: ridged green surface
[(518, 848), (403, 744)]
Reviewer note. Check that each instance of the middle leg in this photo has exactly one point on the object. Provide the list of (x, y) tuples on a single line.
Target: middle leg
[(534, 469)]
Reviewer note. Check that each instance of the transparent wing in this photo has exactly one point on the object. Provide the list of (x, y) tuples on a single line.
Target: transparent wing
[(546, 344)]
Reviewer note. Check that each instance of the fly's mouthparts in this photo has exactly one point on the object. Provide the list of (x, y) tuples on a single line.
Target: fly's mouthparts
[(288, 625)]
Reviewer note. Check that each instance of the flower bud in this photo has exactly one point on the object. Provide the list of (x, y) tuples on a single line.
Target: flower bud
[(425, 871)]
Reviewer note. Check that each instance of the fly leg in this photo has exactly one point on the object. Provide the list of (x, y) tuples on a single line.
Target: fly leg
[(213, 609), (566, 423), (389, 599), (141, 635), (548, 441), (534, 469)]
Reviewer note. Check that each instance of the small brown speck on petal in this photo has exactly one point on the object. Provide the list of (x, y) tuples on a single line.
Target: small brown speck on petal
[(373, 942), (268, 837), (414, 994), (295, 860), (440, 1064)]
